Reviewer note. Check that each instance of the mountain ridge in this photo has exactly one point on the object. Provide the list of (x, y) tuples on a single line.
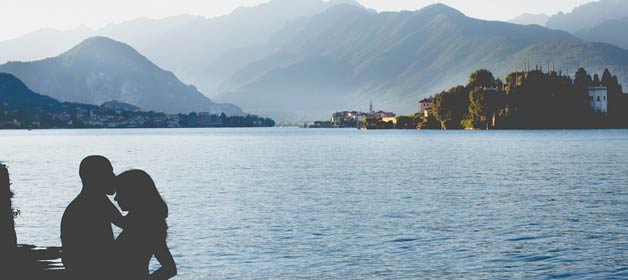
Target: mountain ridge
[(527, 19), (614, 31), (589, 15)]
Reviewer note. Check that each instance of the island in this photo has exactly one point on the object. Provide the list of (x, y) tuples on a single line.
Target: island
[(528, 99)]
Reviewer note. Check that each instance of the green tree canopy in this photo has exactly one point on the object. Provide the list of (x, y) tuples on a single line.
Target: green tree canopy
[(481, 78)]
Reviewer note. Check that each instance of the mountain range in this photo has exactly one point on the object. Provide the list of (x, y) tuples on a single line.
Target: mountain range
[(599, 21), (589, 15), (347, 56), (100, 69), (201, 51), (296, 60)]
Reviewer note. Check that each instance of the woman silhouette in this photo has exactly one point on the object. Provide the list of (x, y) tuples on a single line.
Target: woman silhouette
[(145, 230)]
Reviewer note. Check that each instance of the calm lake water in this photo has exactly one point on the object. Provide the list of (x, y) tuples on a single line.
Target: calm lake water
[(348, 204)]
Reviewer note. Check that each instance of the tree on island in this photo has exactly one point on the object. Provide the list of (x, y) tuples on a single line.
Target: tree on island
[(481, 79), (451, 107), (408, 122)]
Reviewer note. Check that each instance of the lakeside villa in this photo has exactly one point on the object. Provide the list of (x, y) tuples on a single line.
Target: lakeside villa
[(425, 106), (350, 119)]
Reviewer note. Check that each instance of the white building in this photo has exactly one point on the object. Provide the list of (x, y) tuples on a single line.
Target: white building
[(598, 99), (425, 106)]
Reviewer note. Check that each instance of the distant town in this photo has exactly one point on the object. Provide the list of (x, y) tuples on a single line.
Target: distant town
[(118, 115), (352, 119), (530, 99)]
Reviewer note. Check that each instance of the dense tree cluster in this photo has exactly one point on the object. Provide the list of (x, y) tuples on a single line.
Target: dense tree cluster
[(528, 99), (222, 120)]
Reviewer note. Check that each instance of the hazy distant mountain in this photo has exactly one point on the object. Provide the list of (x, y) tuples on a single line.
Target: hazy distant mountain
[(589, 15), (100, 70), (205, 52), (41, 44), (346, 56), (526, 19), (200, 51), (613, 32)]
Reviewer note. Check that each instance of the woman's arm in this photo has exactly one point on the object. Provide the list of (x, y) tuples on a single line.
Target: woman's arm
[(116, 216), (168, 268)]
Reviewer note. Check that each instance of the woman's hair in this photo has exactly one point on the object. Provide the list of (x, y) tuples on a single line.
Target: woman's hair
[(141, 191)]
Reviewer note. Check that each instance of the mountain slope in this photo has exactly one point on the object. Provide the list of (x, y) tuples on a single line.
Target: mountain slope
[(613, 32), (589, 15), (100, 70), (41, 44), (15, 94), (344, 57)]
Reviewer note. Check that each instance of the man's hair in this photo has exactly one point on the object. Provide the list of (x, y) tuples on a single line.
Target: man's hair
[(93, 166)]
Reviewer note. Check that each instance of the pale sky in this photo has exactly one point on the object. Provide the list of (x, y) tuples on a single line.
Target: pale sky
[(18, 17)]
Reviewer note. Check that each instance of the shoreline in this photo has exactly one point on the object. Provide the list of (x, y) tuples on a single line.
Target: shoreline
[(32, 262), (309, 128)]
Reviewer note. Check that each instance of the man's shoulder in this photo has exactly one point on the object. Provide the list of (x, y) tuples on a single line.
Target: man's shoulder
[(78, 203), (80, 206)]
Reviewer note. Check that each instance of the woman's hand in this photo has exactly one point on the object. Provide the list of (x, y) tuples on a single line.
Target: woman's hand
[(168, 268), (116, 216)]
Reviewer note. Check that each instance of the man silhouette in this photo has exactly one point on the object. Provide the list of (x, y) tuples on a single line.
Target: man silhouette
[(86, 232)]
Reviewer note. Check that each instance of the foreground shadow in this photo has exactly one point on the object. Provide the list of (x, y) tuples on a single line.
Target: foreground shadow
[(22, 262), (8, 240)]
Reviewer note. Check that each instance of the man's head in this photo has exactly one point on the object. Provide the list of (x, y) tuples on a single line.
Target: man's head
[(97, 175)]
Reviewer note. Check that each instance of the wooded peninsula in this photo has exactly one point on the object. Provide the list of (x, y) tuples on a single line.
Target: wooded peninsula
[(525, 100)]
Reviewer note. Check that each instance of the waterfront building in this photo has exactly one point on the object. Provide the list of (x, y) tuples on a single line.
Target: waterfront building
[(598, 99), (382, 115), (345, 116), (362, 116), (355, 118), (392, 120), (337, 116), (425, 106), (341, 116)]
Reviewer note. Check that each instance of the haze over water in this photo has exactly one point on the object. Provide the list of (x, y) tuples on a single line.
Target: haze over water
[(348, 204)]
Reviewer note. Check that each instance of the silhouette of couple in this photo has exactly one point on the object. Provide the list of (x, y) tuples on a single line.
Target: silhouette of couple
[(89, 248)]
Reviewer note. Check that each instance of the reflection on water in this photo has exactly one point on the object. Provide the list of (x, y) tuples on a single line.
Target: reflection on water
[(348, 204)]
